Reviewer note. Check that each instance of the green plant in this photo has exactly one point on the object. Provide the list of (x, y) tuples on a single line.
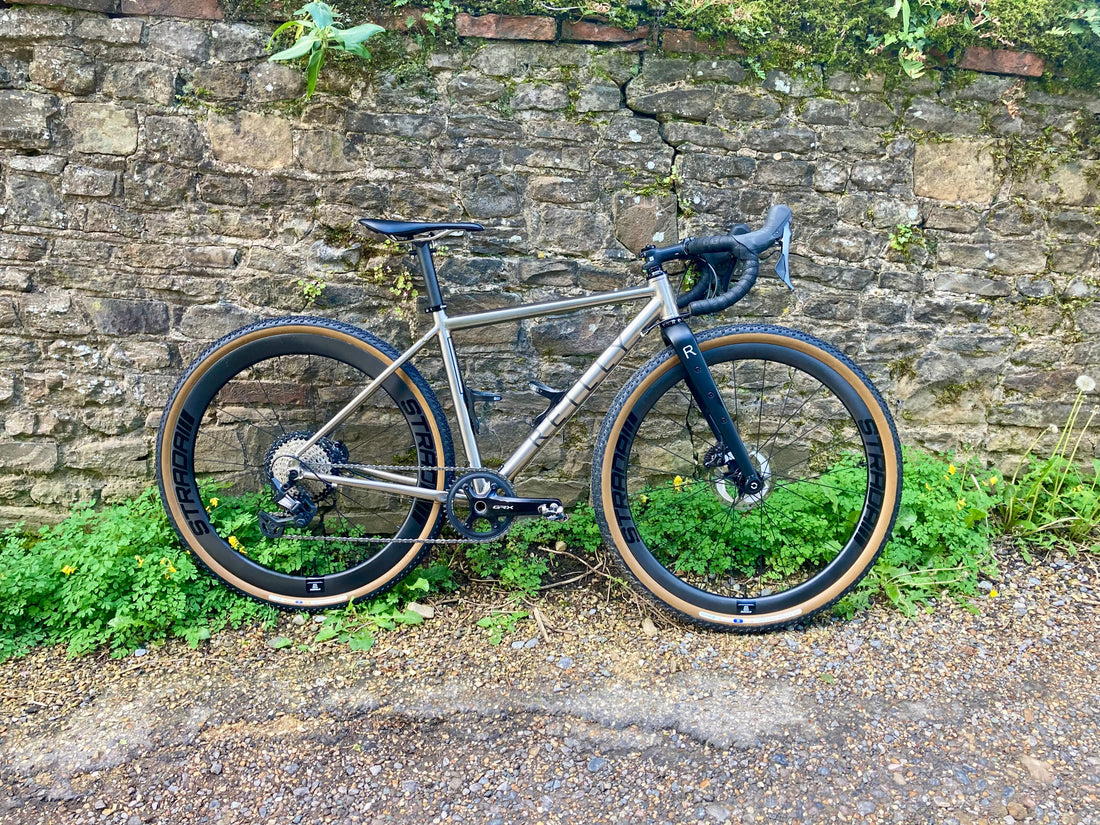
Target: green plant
[(357, 625), (316, 34), (499, 622), (517, 560), (312, 288), (942, 537), (1052, 500), (116, 577), (1082, 18)]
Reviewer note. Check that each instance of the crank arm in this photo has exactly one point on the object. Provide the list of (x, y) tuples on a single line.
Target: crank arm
[(515, 506)]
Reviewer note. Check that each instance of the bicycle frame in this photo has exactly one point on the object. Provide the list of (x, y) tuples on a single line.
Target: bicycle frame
[(660, 308)]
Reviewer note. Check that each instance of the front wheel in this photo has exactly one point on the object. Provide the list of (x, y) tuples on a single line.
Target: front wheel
[(821, 440), (234, 445)]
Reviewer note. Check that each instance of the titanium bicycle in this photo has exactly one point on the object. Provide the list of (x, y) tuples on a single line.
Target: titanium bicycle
[(746, 476)]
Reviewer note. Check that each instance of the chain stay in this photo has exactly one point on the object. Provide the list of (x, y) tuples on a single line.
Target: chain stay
[(375, 540)]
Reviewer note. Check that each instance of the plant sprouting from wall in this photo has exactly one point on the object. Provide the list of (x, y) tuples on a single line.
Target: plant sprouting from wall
[(1084, 17), (315, 34)]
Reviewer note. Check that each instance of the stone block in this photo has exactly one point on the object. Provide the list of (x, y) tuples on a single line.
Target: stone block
[(174, 138), (1009, 257), (830, 176), (785, 173), (791, 139), (320, 150), (258, 141), (793, 86), (159, 184), (120, 316), (24, 119), (876, 176), (122, 31), (844, 244), (852, 141), (28, 456), (930, 116), (700, 166), (144, 82), (738, 106), (689, 103), (1001, 61), (642, 220), (677, 40), (874, 113), (952, 219), (474, 87), (20, 248), (1072, 184), (546, 97), (180, 39), (966, 284), (33, 200), (210, 322), (826, 112), (417, 127), (856, 84), (195, 9), (506, 27), (564, 191), (238, 42), (963, 170), (218, 82), (585, 32), (63, 69), (575, 231), (491, 197), (273, 81), (126, 455), (103, 128), (88, 182), (599, 98)]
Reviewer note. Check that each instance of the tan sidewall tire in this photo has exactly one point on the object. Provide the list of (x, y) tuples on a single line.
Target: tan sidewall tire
[(876, 541), (179, 519)]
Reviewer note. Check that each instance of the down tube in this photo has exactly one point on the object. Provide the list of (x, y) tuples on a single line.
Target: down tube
[(582, 389)]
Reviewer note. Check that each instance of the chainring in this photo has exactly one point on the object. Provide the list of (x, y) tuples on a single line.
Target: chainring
[(468, 508)]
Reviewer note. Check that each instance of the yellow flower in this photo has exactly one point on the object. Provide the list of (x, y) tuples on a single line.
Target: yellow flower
[(961, 503), (678, 483), (951, 469), (68, 569), (140, 560), (235, 543), (928, 486), (992, 481), (993, 593), (214, 502)]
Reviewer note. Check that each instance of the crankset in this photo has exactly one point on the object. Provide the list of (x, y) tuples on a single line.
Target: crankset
[(481, 506)]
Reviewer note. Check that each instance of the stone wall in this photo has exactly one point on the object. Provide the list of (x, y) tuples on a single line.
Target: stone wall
[(164, 184)]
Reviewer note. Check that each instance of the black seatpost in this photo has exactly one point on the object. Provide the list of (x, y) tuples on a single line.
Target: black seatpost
[(431, 280)]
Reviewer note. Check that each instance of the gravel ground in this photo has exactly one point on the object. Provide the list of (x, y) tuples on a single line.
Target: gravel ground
[(988, 716)]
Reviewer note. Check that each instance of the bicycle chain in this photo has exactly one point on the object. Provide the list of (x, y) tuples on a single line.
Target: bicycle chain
[(458, 470)]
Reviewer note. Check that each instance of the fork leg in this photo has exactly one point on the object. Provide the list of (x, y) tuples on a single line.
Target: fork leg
[(679, 336)]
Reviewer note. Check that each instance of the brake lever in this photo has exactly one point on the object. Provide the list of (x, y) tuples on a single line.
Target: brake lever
[(782, 268)]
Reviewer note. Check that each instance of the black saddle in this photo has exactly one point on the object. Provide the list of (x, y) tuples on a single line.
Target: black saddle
[(406, 230)]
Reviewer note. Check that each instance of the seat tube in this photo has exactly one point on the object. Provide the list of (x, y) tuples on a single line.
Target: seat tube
[(431, 280), (438, 310), (679, 337)]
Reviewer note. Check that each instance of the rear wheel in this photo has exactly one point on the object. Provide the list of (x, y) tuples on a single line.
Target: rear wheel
[(238, 421), (821, 440)]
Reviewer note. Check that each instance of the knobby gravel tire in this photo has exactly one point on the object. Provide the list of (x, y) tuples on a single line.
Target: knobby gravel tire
[(273, 382), (821, 438)]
